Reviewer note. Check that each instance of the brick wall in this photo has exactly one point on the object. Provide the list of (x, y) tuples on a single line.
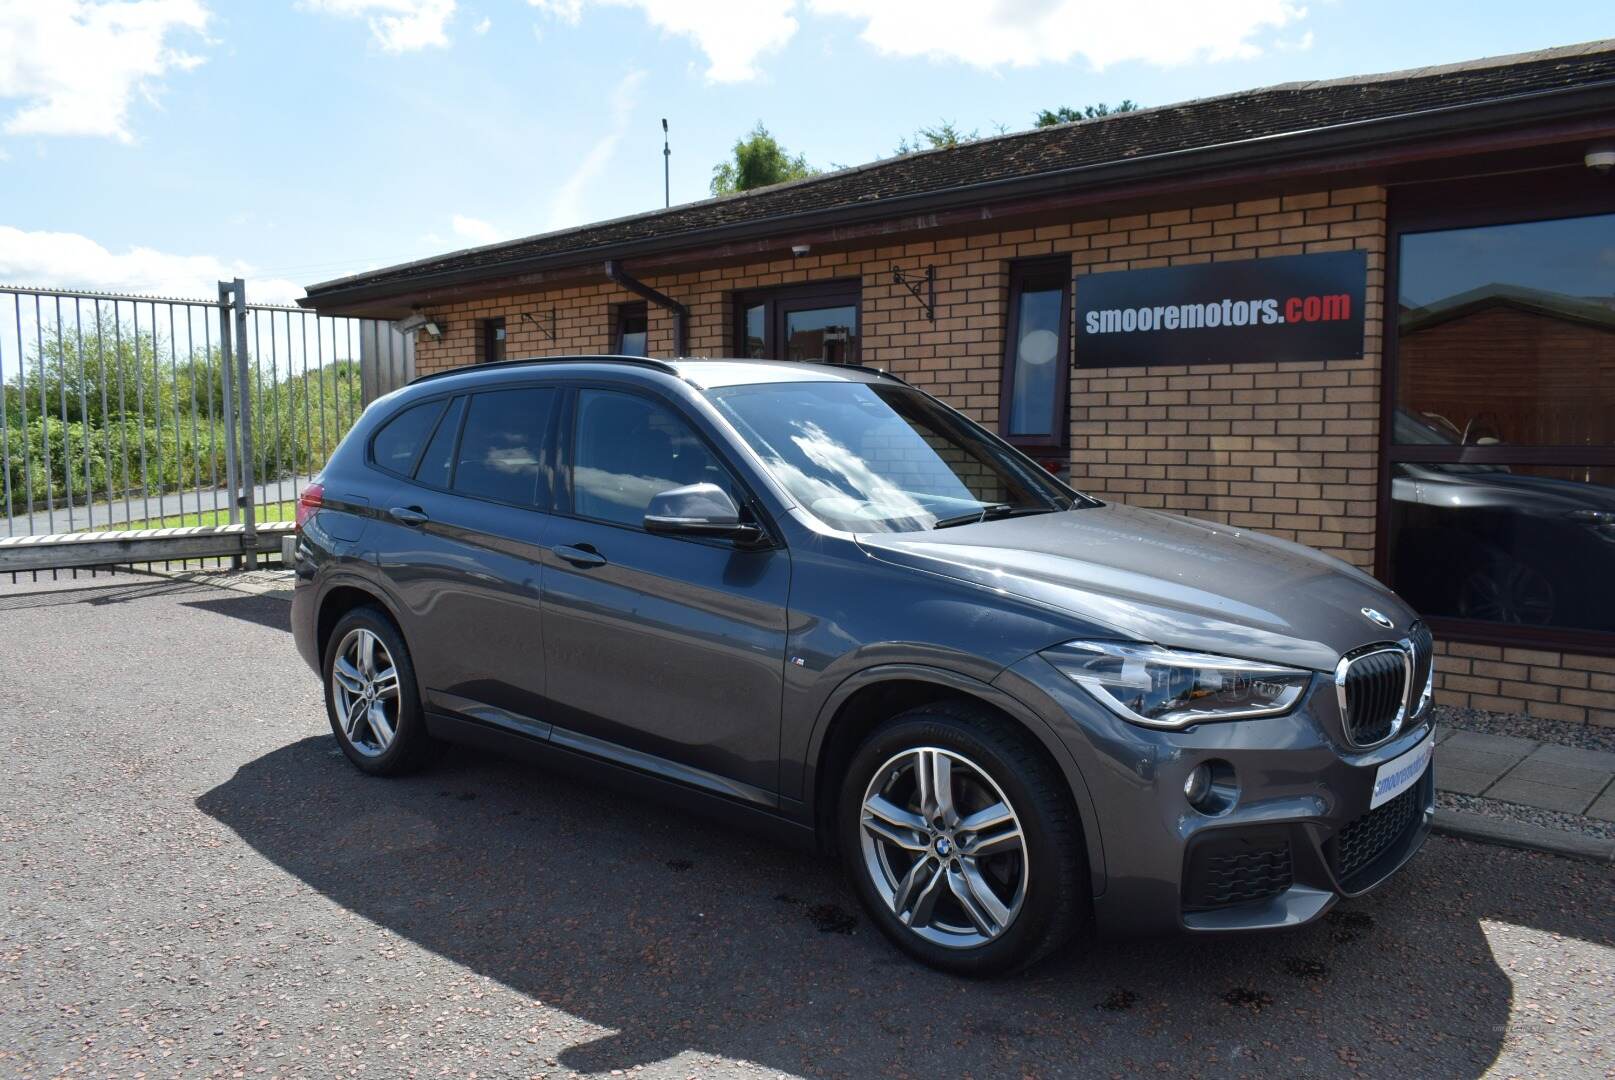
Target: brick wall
[(1290, 449)]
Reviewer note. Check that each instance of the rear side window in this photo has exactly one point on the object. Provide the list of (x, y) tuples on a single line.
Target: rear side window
[(437, 463), (398, 443), (502, 450)]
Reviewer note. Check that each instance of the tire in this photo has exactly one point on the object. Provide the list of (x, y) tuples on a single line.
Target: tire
[(1041, 888), (367, 741)]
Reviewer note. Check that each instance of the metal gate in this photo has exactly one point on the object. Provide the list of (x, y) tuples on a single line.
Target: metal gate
[(141, 429)]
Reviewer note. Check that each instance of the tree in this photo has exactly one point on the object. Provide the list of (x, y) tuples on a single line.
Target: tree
[(945, 134), (1065, 113), (759, 160)]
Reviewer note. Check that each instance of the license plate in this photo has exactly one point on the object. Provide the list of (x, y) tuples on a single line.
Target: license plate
[(1401, 773)]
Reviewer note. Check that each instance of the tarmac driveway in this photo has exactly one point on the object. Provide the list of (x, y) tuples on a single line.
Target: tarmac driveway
[(197, 883)]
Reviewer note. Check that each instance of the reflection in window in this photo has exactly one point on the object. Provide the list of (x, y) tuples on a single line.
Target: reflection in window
[(1502, 489), (1506, 333), (755, 344), (1037, 353), (501, 451), (820, 334), (1528, 545), (630, 449)]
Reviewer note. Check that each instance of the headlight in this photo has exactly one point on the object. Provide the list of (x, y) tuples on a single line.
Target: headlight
[(1167, 688)]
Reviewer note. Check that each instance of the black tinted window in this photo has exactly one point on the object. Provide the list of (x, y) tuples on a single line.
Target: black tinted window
[(628, 450), (399, 441), (436, 463), (502, 450)]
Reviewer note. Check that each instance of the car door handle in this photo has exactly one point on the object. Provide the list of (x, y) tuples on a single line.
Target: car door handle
[(408, 515), (580, 555)]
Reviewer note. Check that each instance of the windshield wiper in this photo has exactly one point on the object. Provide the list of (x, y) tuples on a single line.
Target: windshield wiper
[(990, 512)]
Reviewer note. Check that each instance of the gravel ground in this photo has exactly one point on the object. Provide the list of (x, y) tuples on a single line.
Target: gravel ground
[(1580, 736), (197, 883)]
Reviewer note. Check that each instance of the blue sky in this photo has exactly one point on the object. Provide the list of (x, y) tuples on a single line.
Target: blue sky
[(159, 144)]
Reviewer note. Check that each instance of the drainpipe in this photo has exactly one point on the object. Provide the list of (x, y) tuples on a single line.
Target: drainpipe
[(681, 314)]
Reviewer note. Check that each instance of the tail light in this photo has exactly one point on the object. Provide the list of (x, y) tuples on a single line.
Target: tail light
[(312, 499)]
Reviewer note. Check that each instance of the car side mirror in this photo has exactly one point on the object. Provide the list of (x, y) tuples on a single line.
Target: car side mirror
[(699, 510)]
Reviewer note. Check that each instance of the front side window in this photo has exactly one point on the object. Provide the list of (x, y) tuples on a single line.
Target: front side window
[(867, 457), (501, 453), (399, 442), (627, 450), (1502, 440)]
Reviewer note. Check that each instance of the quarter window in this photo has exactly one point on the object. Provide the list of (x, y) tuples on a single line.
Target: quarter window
[(629, 449), (501, 453), (398, 443)]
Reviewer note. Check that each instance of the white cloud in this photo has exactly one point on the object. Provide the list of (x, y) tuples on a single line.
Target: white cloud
[(75, 65), (398, 25), (484, 24), (70, 261), (1023, 33), (733, 34), (478, 232), (566, 208)]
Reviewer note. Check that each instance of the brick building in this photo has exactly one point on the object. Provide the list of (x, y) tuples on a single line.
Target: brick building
[(1459, 442)]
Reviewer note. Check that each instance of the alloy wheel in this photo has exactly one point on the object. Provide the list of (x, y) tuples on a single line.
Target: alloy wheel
[(364, 682), (943, 847)]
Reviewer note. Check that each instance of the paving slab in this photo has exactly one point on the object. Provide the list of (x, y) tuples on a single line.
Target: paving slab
[(1576, 757), (1533, 793), (1603, 807), (1462, 781), (1492, 744), (1591, 781), (1476, 761)]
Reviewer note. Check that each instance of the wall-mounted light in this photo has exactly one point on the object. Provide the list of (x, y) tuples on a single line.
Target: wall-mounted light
[(799, 250), (418, 321), (1600, 157)]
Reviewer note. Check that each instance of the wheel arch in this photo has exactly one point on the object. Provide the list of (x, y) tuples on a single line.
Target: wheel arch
[(341, 596), (869, 696)]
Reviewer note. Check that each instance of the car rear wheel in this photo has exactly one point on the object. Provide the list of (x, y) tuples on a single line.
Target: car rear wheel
[(371, 696), (961, 841)]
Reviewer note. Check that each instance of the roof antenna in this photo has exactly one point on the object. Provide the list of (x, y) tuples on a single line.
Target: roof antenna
[(667, 182)]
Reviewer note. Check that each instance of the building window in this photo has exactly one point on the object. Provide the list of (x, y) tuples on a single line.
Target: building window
[(493, 341), (1037, 357), (633, 330), (805, 322), (1500, 438)]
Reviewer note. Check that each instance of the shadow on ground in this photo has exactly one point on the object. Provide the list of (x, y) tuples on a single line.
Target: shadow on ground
[(680, 935)]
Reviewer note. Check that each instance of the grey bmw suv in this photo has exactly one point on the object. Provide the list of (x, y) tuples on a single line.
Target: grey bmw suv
[(818, 600)]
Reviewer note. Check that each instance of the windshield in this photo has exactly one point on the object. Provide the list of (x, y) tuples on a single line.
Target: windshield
[(867, 457)]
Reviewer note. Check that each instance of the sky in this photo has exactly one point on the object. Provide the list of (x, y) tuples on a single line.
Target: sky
[(156, 146)]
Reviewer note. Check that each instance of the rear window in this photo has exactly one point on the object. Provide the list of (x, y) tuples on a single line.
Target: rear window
[(399, 442)]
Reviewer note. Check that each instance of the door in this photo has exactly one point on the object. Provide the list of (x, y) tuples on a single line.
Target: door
[(465, 556), (664, 653)]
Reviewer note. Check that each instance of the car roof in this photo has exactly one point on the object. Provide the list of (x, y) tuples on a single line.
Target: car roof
[(706, 373)]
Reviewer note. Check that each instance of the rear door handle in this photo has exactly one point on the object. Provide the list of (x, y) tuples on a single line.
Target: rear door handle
[(581, 555), (408, 515)]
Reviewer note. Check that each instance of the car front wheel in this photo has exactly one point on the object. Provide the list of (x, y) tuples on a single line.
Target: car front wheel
[(961, 842)]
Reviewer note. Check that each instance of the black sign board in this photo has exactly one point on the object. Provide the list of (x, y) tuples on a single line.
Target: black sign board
[(1296, 307)]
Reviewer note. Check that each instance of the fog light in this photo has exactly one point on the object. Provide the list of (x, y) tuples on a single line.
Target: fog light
[(1198, 785)]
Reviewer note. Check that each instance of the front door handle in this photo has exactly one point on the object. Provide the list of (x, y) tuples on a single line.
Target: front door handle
[(580, 555), (408, 515)]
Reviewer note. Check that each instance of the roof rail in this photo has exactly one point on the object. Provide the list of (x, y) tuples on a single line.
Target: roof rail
[(865, 368), (638, 361)]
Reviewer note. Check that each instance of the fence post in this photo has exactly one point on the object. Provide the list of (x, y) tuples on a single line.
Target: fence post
[(227, 376), (249, 534)]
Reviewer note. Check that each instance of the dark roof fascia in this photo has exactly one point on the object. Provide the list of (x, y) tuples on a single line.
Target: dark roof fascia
[(1450, 121)]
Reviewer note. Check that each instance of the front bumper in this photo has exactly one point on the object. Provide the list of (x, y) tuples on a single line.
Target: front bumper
[(1298, 836)]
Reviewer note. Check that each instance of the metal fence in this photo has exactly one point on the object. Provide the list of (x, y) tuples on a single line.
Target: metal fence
[(134, 413)]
